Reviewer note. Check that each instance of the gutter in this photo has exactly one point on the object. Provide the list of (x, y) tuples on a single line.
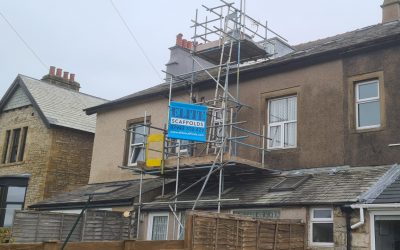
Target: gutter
[(370, 206)]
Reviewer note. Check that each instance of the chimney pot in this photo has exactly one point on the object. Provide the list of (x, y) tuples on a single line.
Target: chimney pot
[(189, 44), (72, 77), (179, 39), (184, 43), (65, 76), (52, 70), (59, 72)]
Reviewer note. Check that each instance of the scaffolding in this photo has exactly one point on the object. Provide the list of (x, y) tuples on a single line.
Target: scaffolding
[(229, 39)]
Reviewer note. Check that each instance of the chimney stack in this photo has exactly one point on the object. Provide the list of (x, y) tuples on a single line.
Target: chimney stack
[(390, 10), (61, 79), (181, 60)]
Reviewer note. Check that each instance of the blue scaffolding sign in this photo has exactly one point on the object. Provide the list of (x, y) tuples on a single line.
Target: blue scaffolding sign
[(187, 122)]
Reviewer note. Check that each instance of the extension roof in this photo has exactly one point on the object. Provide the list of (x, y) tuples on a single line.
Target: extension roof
[(57, 106), (330, 48), (320, 186), (121, 193)]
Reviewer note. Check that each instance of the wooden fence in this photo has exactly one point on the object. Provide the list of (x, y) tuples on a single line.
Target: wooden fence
[(96, 225), (203, 231), (105, 245), (226, 231)]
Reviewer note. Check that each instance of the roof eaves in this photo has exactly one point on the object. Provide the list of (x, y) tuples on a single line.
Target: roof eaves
[(290, 60)]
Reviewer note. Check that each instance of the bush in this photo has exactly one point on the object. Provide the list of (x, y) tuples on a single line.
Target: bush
[(5, 235)]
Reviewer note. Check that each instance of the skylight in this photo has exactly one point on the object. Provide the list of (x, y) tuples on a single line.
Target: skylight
[(290, 183), (107, 189)]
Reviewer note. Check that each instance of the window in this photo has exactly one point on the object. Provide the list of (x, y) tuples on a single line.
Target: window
[(12, 197), (158, 226), (321, 228), (368, 113), (14, 145), (385, 229), (282, 122), (136, 140), (181, 230)]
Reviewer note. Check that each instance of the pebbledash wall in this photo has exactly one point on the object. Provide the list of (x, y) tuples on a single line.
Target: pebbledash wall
[(57, 159)]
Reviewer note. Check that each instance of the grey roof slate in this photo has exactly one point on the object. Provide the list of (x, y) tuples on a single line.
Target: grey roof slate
[(123, 195), (336, 185), (333, 46), (61, 106), (340, 185)]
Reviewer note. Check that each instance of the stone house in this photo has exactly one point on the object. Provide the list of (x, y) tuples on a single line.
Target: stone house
[(334, 170), (46, 140)]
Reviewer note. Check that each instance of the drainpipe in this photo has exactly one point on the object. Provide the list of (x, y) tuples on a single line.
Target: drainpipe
[(349, 238), (362, 219), (373, 206)]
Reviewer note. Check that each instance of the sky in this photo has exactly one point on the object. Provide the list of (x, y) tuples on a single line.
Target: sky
[(89, 39)]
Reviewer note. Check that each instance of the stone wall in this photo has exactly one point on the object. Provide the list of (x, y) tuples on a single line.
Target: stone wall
[(37, 149), (57, 159), (69, 165)]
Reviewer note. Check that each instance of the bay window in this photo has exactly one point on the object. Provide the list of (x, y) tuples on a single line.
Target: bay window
[(12, 197)]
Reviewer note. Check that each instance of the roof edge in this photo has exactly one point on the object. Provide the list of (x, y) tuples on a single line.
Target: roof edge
[(333, 53)]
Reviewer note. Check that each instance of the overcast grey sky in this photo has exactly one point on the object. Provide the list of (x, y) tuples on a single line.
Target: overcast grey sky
[(88, 38)]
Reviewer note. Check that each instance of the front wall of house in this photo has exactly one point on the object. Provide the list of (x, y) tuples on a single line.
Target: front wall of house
[(37, 150), (371, 146), (110, 139), (319, 91), (70, 158)]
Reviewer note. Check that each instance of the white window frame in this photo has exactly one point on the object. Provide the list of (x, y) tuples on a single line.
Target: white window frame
[(366, 100), (180, 229), (133, 146), (319, 220), (372, 215), (281, 125), (150, 224)]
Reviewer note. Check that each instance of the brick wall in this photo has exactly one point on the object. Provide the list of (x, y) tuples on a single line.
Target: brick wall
[(70, 158), (38, 143)]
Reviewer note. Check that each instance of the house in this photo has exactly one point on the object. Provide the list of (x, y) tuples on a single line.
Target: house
[(330, 111), (46, 140)]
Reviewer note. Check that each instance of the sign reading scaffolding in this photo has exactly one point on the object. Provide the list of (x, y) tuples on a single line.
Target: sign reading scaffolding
[(187, 122)]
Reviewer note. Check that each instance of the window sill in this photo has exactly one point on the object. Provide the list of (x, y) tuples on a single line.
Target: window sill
[(292, 149), (12, 164), (315, 244), (367, 130)]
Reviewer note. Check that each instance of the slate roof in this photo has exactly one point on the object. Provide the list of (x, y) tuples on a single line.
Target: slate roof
[(390, 195), (121, 193), (323, 49), (57, 105), (326, 186)]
